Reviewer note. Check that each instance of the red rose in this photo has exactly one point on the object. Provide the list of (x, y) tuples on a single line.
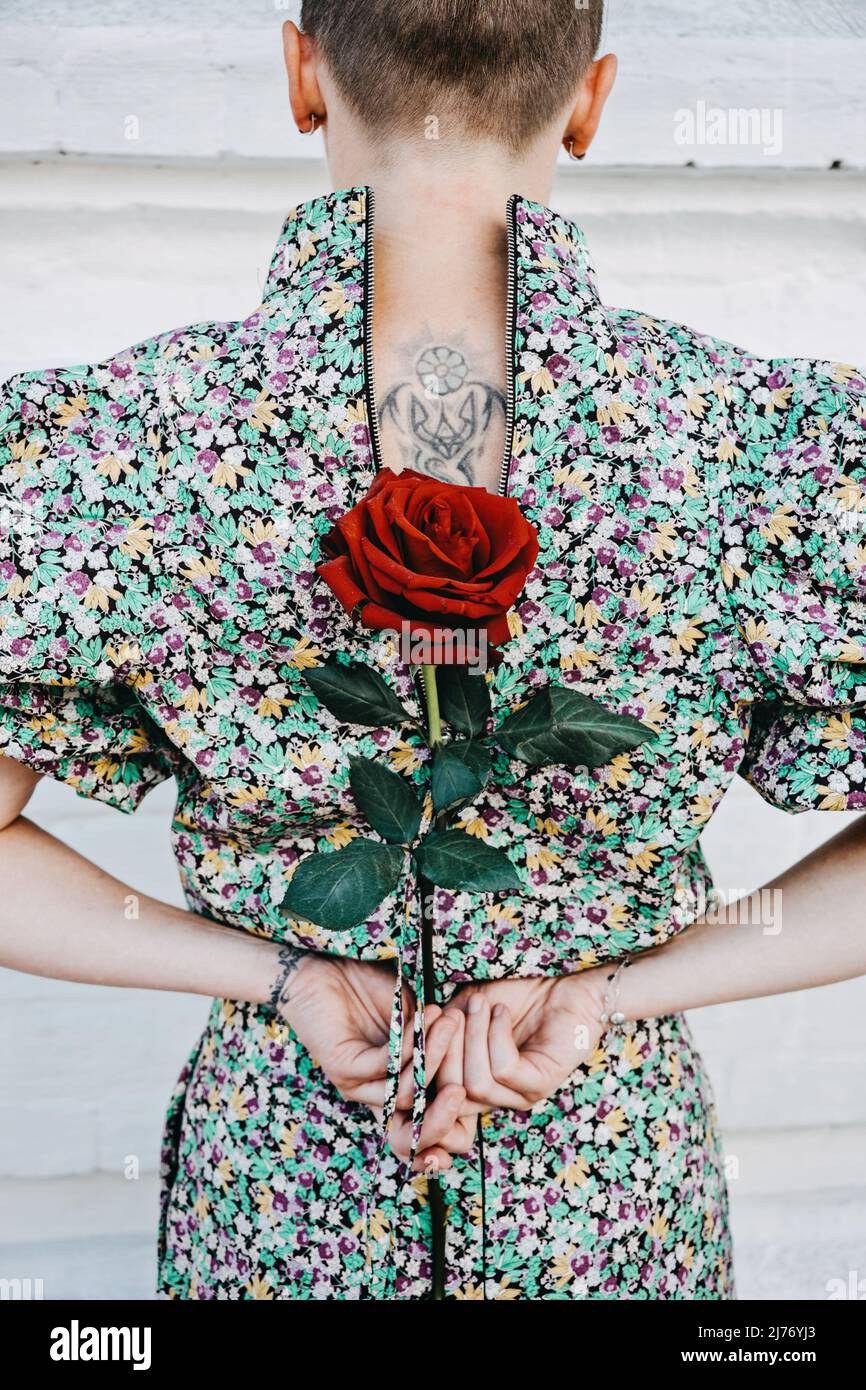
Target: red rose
[(430, 555)]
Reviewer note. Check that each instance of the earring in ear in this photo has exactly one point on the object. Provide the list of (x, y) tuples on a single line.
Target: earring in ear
[(570, 148), (314, 121)]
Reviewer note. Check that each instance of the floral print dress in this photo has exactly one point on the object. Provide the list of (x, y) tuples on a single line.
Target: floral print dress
[(702, 522)]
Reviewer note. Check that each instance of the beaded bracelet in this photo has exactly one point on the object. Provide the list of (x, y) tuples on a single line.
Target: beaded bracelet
[(611, 1017)]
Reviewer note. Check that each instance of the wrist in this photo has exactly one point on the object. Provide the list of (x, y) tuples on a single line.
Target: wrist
[(289, 968)]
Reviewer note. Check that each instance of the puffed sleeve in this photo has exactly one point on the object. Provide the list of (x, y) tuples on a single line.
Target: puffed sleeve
[(793, 500), (76, 460)]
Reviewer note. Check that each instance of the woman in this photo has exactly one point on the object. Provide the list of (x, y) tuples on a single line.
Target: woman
[(700, 568)]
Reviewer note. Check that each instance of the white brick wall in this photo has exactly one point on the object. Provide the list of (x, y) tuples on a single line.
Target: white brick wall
[(131, 237)]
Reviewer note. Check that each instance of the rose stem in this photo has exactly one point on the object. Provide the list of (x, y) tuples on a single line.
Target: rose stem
[(438, 1215)]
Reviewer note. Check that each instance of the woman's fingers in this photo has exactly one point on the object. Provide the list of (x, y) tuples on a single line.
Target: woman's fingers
[(440, 1117), (440, 1029), (481, 1084)]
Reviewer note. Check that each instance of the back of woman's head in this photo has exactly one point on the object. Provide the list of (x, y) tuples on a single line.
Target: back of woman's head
[(496, 69)]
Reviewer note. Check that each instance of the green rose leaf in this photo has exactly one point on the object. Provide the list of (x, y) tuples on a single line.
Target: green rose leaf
[(339, 890), (453, 859), (386, 799), (464, 699), (474, 755), (563, 726), (454, 780), (356, 694)]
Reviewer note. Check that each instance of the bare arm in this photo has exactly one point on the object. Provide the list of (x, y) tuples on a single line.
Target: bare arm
[(523, 1037), (62, 916), (806, 928)]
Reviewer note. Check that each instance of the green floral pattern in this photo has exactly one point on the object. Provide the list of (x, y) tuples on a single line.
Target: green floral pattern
[(702, 520)]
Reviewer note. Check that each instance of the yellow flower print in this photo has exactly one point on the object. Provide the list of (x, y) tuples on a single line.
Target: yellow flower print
[(646, 599), (619, 771), (505, 1292), (832, 801), (780, 399), (616, 365), (689, 635), (356, 414), (70, 411), (238, 1106), (106, 768), (126, 653), (696, 402), (507, 916), (272, 706), (515, 624), (644, 858), (357, 208), (727, 450), (27, 451), (659, 1227), (288, 1138), (334, 302), (540, 380), (138, 539), (665, 540), (616, 412), (573, 477), (574, 1174), (578, 659), (263, 417), (781, 526), (341, 835), (223, 1173), (616, 1124), (114, 468), (702, 808), (201, 1206), (259, 1287), (850, 651), (204, 351), (262, 533), (837, 731), (193, 700), (602, 822), (227, 474), (545, 826), (630, 1056), (304, 655), (561, 1269), (99, 597), (476, 826), (405, 757), (202, 567), (473, 1292), (541, 859), (247, 796)]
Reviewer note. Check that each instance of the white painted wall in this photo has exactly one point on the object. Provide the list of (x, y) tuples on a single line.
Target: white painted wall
[(116, 240)]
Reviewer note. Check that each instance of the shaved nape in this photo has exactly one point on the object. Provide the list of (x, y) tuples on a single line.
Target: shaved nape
[(490, 69)]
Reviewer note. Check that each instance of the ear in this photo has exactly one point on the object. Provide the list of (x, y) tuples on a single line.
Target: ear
[(595, 88), (305, 94)]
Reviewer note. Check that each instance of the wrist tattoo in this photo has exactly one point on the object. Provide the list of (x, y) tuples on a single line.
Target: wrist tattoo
[(288, 959)]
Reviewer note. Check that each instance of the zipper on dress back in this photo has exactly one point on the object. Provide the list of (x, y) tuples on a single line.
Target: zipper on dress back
[(510, 328), (369, 384)]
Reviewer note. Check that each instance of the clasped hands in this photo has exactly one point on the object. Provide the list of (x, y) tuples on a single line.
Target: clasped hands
[(497, 1044)]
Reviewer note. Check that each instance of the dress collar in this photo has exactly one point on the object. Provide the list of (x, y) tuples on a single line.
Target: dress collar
[(329, 235)]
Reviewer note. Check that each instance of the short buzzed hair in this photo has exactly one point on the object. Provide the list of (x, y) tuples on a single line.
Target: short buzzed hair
[(500, 69)]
